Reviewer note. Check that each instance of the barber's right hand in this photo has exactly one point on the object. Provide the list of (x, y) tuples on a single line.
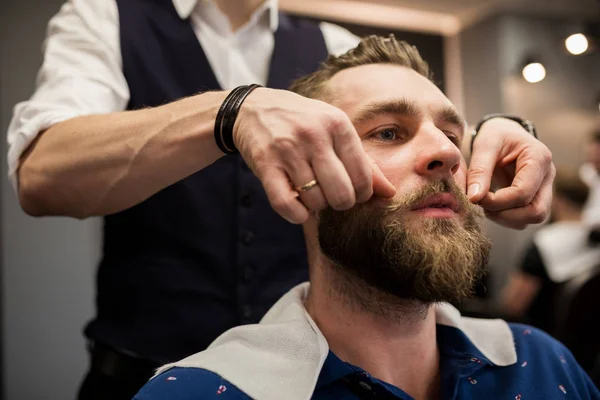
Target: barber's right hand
[(289, 140)]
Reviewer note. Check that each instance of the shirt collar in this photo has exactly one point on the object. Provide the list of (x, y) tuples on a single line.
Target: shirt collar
[(333, 369), (185, 8), (288, 343), (492, 337), (456, 351)]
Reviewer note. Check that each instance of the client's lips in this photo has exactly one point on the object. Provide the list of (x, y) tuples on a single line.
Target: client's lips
[(439, 201)]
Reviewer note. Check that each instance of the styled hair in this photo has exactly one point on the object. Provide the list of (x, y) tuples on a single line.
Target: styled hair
[(371, 50), (569, 185)]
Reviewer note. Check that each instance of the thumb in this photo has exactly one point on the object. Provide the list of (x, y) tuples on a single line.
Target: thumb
[(479, 174), (381, 186)]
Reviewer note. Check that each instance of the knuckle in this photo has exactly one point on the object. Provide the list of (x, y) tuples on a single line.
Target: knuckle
[(553, 170), (337, 123), (314, 140), (315, 203), (538, 214), (522, 198), (284, 145), (343, 201), (363, 187), (546, 155), (307, 132), (322, 156)]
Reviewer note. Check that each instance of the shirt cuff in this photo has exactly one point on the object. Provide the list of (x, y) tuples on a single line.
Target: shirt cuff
[(19, 139)]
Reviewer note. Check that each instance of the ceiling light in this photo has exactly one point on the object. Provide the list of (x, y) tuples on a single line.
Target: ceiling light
[(534, 72), (577, 43)]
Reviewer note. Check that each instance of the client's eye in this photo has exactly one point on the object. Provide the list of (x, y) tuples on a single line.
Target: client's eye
[(387, 134), (453, 138)]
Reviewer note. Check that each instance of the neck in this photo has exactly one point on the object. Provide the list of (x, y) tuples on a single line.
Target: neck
[(397, 345), (238, 11)]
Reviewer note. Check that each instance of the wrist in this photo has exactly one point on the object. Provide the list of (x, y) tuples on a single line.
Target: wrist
[(510, 121), (193, 120), (249, 110)]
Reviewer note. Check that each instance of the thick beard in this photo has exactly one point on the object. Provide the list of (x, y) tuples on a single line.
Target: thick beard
[(379, 259)]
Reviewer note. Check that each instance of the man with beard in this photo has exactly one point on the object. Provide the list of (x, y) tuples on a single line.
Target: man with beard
[(375, 320)]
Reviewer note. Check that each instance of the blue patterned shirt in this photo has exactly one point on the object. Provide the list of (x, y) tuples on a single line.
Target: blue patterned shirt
[(545, 369)]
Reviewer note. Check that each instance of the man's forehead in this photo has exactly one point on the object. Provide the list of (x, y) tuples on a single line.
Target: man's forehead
[(353, 88)]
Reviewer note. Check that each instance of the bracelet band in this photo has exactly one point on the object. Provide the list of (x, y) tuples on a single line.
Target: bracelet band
[(227, 116), (527, 125), (218, 131)]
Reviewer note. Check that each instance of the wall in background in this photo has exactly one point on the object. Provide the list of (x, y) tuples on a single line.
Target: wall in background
[(563, 106), (49, 263)]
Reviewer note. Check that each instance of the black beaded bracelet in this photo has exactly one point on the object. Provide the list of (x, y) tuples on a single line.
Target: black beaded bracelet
[(227, 115)]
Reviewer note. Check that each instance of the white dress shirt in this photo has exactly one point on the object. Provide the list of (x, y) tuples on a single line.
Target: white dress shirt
[(286, 351), (82, 69)]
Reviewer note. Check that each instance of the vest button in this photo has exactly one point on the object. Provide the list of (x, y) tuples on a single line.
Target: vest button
[(247, 312), (247, 273), (246, 200), (248, 238)]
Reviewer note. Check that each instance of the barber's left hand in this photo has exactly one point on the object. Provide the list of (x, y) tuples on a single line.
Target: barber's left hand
[(508, 158)]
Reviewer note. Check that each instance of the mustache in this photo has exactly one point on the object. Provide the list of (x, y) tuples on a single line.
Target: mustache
[(442, 185)]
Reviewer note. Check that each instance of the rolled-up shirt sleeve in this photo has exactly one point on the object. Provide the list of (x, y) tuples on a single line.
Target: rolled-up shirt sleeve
[(81, 74)]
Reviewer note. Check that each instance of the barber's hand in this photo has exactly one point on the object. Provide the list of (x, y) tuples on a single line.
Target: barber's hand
[(289, 140), (519, 166)]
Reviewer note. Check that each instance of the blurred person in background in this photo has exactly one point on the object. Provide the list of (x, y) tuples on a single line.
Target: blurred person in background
[(122, 125), (561, 250), (590, 173)]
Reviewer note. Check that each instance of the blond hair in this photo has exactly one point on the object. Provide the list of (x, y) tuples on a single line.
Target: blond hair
[(371, 50)]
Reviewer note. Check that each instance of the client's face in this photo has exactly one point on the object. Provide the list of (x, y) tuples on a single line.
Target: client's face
[(425, 244)]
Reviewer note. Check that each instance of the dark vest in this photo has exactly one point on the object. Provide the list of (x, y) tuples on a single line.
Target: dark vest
[(206, 253)]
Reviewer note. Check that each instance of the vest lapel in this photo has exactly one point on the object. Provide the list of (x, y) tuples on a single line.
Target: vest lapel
[(294, 55)]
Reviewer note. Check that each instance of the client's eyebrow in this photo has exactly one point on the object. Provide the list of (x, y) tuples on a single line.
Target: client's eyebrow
[(408, 108), (449, 115), (403, 107)]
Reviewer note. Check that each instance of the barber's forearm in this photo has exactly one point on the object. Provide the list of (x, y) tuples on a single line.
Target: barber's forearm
[(102, 164)]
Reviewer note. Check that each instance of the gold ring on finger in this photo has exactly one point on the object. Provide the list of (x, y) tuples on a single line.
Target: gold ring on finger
[(307, 186)]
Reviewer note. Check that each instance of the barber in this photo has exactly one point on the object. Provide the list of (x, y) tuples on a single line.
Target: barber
[(122, 125)]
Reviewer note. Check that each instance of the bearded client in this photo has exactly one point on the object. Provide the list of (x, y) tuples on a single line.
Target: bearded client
[(376, 319)]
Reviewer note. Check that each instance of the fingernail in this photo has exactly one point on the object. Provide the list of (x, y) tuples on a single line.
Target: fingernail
[(473, 190)]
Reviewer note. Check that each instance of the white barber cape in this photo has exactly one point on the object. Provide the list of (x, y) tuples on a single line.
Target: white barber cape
[(286, 351), (591, 211), (565, 250)]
